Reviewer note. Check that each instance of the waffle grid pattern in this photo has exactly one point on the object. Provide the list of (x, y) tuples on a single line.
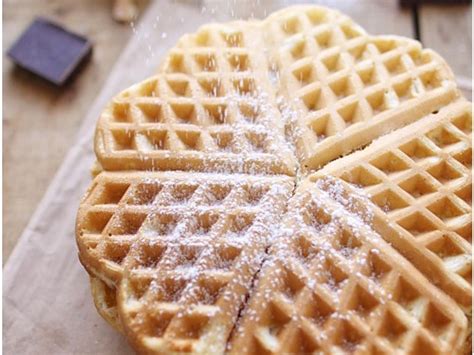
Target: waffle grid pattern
[(343, 83), (333, 285), (421, 182), (184, 250), (118, 208), (165, 123), (209, 110)]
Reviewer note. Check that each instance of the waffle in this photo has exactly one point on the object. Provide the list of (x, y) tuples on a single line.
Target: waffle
[(421, 182), (223, 117), (105, 302), (185, 230), (333, 285), (180, 249)]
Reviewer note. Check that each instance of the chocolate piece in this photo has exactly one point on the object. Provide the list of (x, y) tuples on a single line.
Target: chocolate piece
[(50, 51)]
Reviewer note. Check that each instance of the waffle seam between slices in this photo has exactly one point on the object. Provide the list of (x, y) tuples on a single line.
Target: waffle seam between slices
[(197, 164)]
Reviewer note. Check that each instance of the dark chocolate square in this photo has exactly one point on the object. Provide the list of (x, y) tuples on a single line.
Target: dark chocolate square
[(50, 51)]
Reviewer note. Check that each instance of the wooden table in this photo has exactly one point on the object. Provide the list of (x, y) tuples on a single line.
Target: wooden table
[(41, 121)]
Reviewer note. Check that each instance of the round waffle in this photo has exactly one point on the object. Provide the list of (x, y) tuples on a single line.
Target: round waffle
[(230, 213)]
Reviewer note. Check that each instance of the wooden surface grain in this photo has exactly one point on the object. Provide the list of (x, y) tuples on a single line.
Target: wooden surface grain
[(41, 121)]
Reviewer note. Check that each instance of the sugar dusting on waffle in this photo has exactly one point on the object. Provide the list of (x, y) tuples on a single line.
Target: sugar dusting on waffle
[(192, 261), (327, 276), (235, 132)]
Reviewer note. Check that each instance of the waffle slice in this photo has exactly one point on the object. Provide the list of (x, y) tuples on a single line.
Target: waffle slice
[(211, 109), (342, 88), (180, 249), (420, 178), (333, 285)]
